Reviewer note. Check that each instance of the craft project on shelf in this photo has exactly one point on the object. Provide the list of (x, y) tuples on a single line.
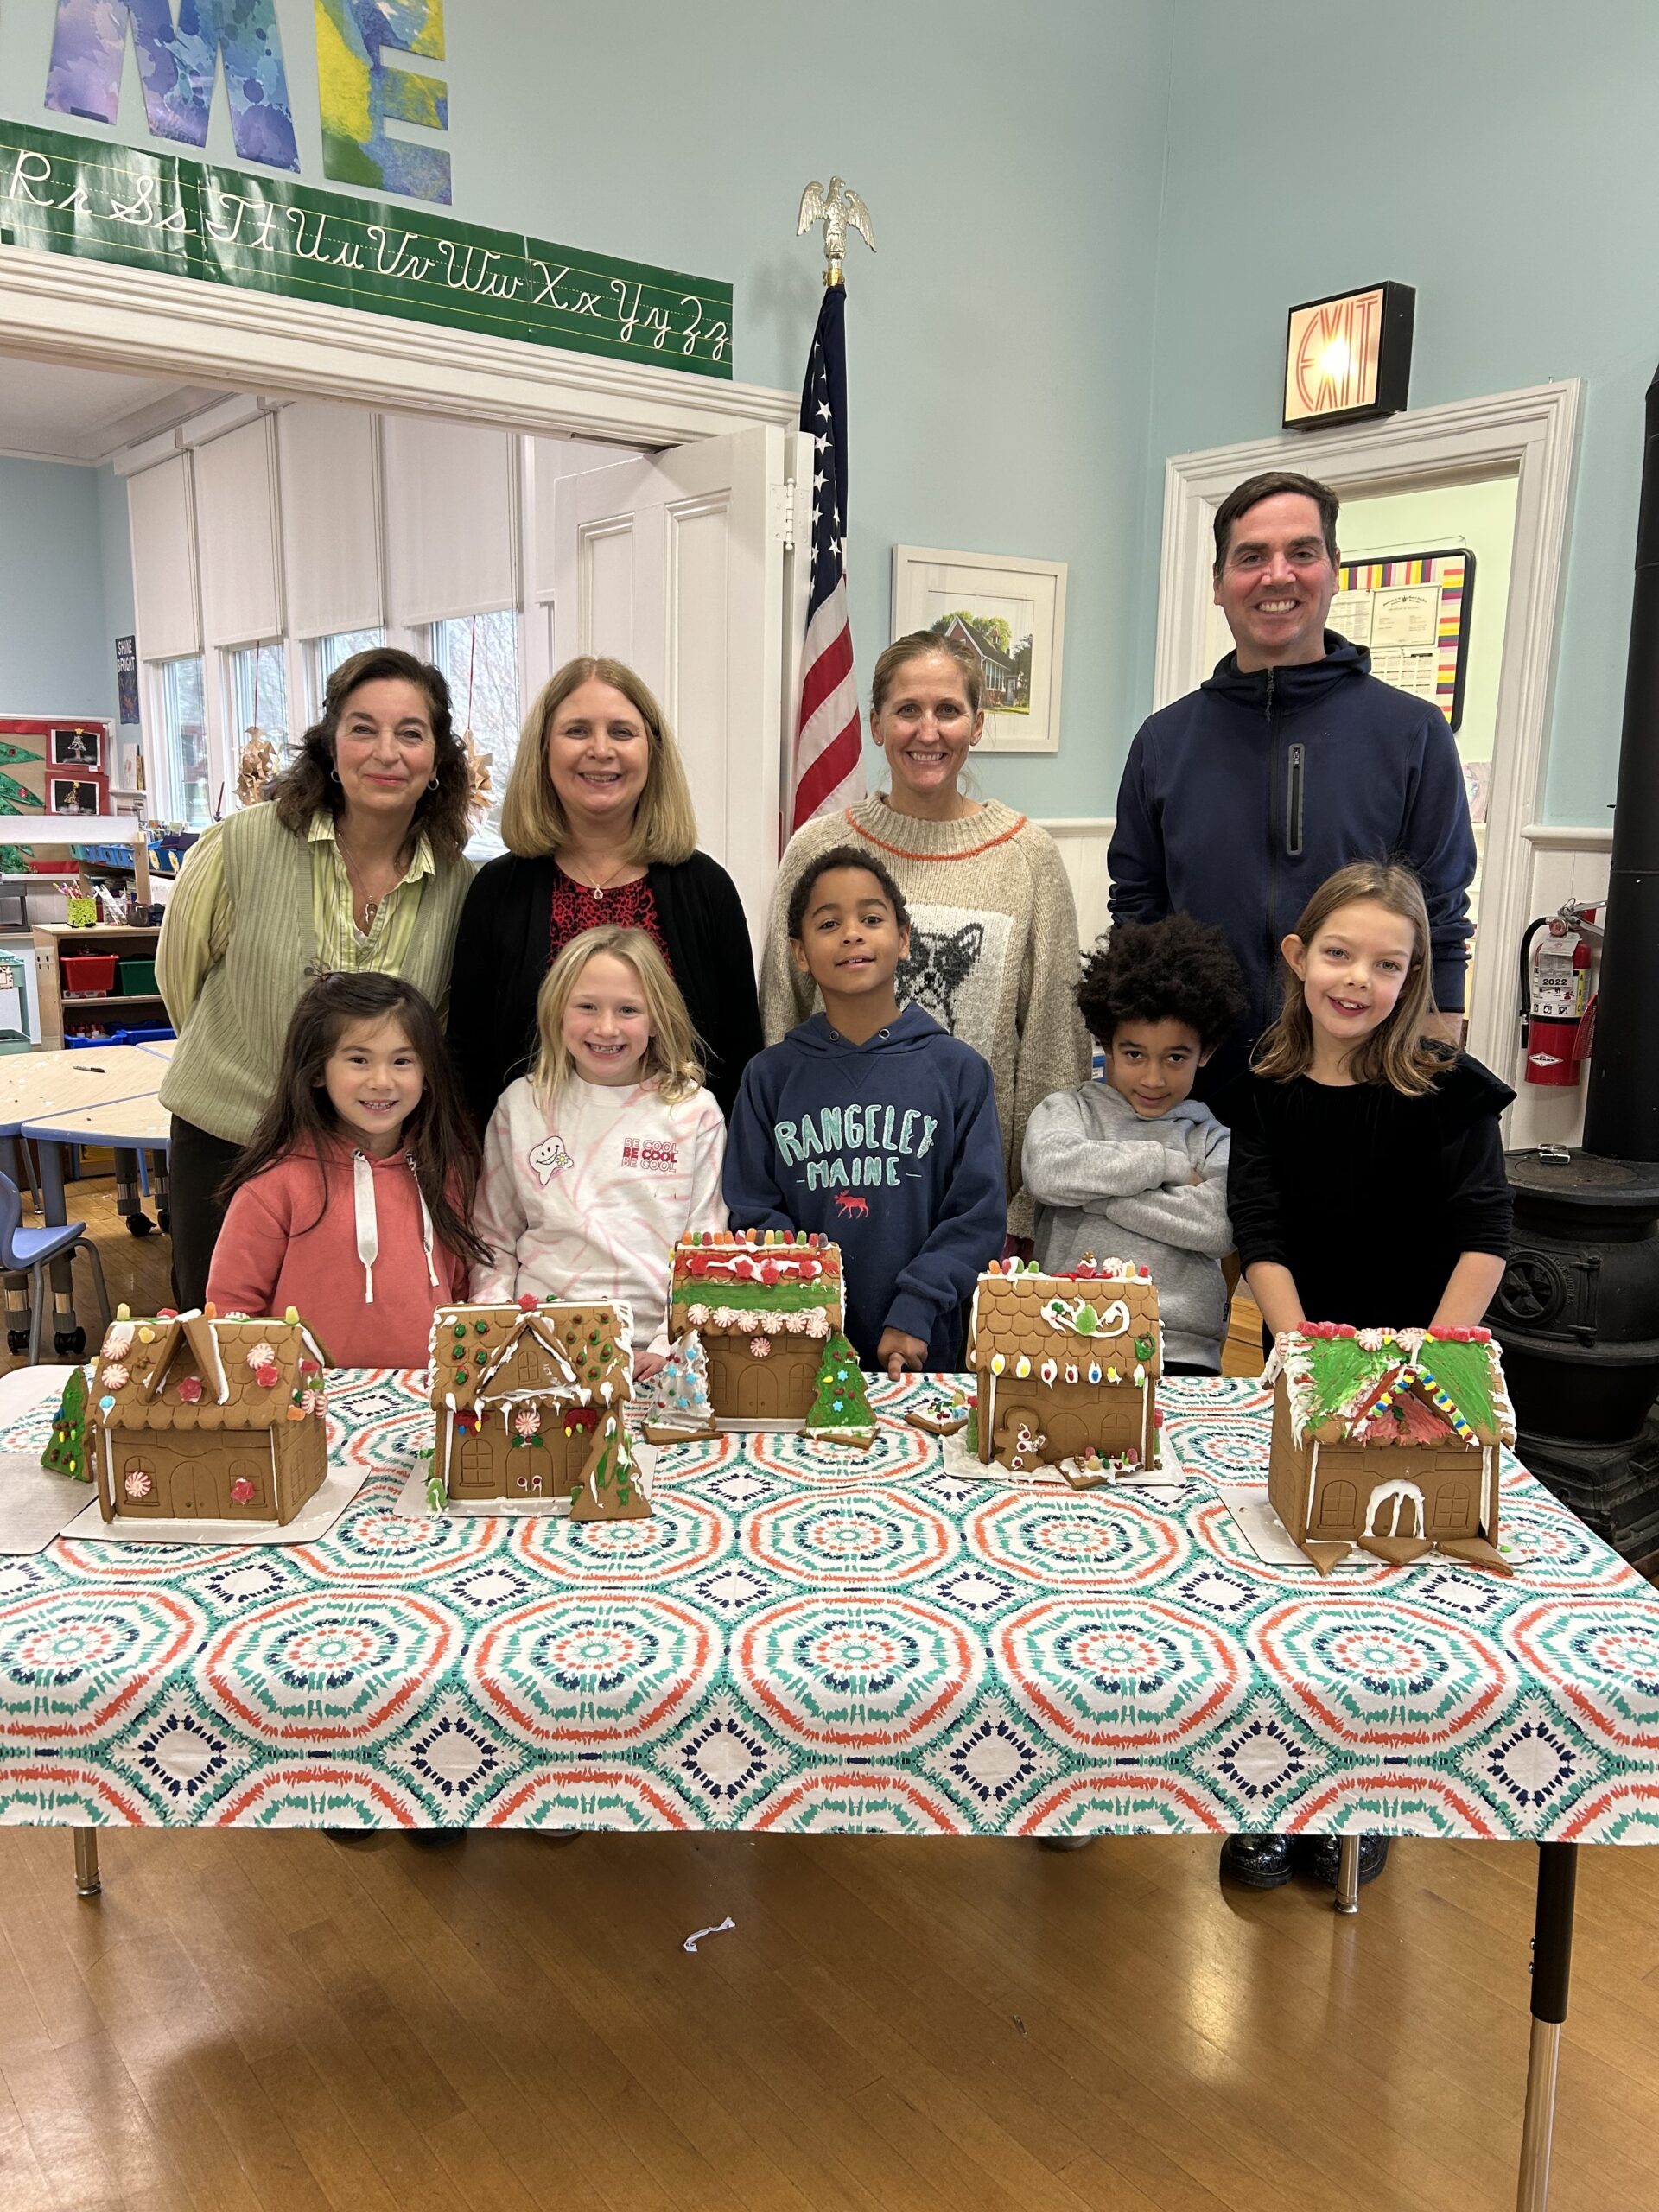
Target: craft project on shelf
[(66, 1452), (839, 1412), (610, 1488), (199, 1416), (1066, 1369), (520, 1393), (675, 1400), (1388, 1440), (765, 1304)]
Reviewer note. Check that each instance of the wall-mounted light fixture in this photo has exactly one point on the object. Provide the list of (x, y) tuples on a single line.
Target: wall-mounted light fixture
[(1349, 356)]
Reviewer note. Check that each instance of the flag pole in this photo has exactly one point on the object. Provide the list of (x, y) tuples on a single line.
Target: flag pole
[(827, 765)]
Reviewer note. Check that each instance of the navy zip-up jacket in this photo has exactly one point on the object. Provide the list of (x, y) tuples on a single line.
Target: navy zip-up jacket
[(1240, 799), (892, 1148)]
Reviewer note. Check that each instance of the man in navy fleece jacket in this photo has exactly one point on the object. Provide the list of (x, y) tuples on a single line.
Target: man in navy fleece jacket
[(1292, 761), (874, 1126)]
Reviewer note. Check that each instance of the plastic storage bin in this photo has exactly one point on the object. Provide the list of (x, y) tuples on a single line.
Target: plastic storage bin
[(87, 975), (137, 978)]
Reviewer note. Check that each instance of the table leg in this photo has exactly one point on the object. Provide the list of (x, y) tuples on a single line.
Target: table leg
[(87, 1882), (126, 1183), (1552, 1965), (1348, 1875), (55, 1210)]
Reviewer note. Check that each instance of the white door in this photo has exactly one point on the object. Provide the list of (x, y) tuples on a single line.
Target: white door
[(678, 564)]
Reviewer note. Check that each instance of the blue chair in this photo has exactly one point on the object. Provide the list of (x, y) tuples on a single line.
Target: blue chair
[(31, 1252)]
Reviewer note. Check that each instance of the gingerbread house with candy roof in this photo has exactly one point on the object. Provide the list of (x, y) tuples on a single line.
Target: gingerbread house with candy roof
[(196, 1416), (765, 1304), (1387, 1440), (521, 1394), (1066, 1367)]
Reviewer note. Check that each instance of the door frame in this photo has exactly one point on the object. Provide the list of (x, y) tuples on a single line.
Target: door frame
[(1532, 434), (99, 314)]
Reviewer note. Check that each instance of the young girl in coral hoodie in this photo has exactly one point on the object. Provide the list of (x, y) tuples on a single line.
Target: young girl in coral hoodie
[(352, 1201)]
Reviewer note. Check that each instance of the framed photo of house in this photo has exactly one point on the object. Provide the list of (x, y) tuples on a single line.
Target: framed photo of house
[(1012, 613)]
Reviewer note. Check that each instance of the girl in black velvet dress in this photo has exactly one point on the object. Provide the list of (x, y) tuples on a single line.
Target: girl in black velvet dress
[(1366, 1182)]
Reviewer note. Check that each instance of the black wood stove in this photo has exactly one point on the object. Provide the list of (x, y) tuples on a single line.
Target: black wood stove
[(1578, 1310)]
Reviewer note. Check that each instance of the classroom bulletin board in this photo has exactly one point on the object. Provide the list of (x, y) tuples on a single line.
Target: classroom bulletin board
[(1412, 614)]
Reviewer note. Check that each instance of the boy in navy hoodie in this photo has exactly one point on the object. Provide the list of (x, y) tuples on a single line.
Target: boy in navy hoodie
[(873, 1126)]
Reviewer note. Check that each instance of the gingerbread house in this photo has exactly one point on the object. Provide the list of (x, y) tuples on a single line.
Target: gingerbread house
[(765, 1304), (196, 1417), (1388, 1440), (1066, 1367), (520, 1392)]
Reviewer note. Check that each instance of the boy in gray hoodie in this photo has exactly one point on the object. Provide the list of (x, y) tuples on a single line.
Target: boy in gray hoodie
[(1135, 1167)]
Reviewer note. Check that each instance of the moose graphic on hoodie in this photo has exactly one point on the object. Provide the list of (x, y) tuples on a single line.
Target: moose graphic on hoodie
[(892, 1147)]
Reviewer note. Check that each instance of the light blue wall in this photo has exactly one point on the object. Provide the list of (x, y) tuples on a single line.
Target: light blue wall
[(1497, 154), (55, 656), (115, 562), (999, 356)]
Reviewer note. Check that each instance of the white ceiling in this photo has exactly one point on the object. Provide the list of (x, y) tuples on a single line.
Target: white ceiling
[(85, 415)]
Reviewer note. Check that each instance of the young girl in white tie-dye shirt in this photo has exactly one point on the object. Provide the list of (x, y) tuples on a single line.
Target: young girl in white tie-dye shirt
[(599, 1160)]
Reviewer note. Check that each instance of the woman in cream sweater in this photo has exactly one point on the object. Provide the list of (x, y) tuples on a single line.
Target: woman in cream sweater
[(994, 931)]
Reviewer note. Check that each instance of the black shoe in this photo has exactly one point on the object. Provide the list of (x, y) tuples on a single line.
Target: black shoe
[(1255, 1862), (1316, 1857)]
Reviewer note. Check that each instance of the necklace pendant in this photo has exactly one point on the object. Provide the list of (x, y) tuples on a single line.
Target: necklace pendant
[(599, 894)]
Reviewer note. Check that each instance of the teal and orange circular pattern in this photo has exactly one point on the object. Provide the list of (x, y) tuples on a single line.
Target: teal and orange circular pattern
[(803, 1639)]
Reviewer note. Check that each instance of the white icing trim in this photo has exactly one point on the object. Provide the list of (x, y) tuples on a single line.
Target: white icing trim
[(1313, 1484)]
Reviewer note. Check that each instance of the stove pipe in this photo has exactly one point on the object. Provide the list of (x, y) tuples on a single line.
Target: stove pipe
[(1621, 1119)]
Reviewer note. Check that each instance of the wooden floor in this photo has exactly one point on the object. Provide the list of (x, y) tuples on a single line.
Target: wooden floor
[(277, 2022)]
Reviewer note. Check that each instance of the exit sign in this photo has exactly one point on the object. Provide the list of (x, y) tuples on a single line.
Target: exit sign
[(1349, 357)]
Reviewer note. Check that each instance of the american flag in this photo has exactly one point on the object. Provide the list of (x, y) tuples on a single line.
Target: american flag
[(829, 754)]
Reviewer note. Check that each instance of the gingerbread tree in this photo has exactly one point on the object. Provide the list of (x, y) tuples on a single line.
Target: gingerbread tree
[(65, 1454), (610, 1489), (839, 1412), (679, 1393)]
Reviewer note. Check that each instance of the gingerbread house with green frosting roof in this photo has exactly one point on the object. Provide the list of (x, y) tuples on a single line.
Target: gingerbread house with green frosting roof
[(765, 1304), (521, 1394), (1388, 1440)]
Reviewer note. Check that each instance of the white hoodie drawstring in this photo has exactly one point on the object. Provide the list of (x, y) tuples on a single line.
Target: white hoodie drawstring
[(368, 1221)]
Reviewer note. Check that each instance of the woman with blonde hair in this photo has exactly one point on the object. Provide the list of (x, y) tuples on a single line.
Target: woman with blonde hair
[(609, 1151), (599, 831), (994, 932)]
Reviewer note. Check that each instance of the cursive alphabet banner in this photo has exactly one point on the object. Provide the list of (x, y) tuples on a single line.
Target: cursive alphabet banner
[(185, 217)]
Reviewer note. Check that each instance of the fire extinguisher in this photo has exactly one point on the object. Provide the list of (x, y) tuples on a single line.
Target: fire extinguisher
[(1558, 1008)]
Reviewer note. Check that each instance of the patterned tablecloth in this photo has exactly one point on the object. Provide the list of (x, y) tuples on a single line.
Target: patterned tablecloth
[(802, 1639)]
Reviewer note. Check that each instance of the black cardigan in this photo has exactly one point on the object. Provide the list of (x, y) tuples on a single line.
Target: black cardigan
[(1368, 1198), (502, 950)]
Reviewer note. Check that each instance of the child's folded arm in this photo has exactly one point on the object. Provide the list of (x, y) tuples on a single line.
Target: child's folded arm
[(1064, 1166), (969, 1233), (1191, 1215)]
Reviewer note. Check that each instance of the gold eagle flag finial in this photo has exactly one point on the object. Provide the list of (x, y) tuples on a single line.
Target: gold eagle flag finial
[(837, 209)]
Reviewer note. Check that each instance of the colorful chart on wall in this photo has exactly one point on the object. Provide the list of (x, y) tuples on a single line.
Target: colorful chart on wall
[(1411, 612)]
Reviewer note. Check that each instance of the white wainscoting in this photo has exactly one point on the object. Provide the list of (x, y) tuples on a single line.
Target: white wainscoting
[(1082, 839)]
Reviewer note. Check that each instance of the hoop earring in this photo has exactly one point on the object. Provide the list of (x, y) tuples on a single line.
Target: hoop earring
[(333, 775), (433, 784)]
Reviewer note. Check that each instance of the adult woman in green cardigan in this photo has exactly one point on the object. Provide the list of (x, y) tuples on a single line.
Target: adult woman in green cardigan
[(355, 862), (994, 931), (599, 828)]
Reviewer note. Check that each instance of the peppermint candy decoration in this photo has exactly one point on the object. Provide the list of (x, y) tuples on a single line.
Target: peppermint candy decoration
[(115, 1375), (138, 1484), (118, 1341), (262, 1355), (760, 1347)]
